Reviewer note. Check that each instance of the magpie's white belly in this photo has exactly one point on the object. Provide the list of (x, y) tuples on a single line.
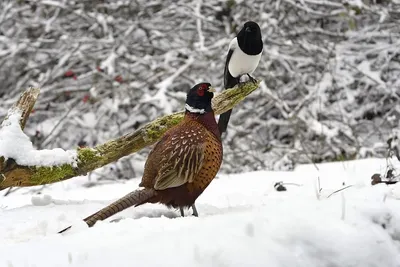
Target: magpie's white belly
[(241, 63)]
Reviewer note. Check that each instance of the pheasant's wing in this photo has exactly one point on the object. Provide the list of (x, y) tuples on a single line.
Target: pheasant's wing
[(182, 156)]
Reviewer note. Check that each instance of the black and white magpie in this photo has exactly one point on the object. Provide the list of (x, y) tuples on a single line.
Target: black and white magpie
[(243, 57)]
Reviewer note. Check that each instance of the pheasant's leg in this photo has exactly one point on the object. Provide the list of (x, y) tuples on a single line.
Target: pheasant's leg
[(195, 211), (251, 78), (181, 210)]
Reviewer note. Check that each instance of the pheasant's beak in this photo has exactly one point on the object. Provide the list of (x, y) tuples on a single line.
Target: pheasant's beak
[(211, 89)]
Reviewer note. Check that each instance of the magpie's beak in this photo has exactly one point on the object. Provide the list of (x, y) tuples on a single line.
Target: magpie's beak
[(248, 29), (211, 89)]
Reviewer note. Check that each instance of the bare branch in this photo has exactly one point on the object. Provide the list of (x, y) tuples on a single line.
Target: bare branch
[(25, 104)]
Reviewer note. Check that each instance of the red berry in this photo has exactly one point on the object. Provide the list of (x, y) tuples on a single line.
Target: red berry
[(69, 73), (119, 79), (85, 98)]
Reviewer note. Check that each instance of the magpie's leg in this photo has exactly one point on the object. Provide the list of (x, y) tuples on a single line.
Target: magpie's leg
[(195, 213), (238, 82), (251, 78), (181, 210)]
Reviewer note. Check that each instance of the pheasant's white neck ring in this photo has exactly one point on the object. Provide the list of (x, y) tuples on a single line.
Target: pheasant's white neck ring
[(194, 110)]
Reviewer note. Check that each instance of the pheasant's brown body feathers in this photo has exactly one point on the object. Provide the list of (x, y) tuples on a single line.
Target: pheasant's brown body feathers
[(182, 164), (178, 156)]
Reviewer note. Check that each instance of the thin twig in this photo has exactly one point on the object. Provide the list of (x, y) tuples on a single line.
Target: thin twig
[(339, 190)]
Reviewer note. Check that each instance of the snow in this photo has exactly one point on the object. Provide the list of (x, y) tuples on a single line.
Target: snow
[(41, 200), (163, 86), (243, 221), (109, 63), (17, 145)]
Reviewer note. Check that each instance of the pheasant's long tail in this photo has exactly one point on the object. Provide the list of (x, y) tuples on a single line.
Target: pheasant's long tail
[(134, 198)]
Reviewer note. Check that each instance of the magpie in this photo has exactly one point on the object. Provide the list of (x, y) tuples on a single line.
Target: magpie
[(244, 54)]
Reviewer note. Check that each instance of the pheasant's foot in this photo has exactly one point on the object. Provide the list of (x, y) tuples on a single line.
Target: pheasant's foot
[(195, 213)]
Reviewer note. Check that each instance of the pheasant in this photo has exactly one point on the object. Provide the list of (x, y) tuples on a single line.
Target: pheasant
[(181, 165)]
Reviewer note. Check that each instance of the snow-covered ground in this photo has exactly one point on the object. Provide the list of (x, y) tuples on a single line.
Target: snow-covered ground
[(243, 221)]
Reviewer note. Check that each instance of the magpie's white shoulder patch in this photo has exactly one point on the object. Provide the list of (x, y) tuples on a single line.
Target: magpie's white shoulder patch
[(233, 44), (194, 110)]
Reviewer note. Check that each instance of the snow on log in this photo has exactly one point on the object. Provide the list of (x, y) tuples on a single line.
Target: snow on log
[(22, 165)]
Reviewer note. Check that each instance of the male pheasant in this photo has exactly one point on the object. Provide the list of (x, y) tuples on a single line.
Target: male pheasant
[(182, 164)]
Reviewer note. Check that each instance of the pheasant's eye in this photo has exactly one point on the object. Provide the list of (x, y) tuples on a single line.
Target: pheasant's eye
[(201, 89)]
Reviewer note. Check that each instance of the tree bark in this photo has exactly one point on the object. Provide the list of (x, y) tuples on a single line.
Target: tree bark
[(89, 159)]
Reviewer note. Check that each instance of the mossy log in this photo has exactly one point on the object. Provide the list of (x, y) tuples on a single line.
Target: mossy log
[(89, 159)]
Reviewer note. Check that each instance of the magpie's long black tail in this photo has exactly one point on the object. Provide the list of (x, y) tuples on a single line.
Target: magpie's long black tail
[(223, 121)]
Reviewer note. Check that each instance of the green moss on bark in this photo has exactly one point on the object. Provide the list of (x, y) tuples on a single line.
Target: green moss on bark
[(48, 175), (87, 155), (89, 159), (237, 95), (229, 98), (157, 129)]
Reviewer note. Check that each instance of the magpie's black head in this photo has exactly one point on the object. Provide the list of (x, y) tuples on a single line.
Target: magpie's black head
[(249, 38), (198, 98)]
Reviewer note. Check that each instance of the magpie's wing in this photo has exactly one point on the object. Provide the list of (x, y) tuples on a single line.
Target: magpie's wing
[(229, 82), (227, 75)]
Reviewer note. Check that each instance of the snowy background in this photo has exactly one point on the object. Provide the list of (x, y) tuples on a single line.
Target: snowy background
[(330, 92), (329, 69)]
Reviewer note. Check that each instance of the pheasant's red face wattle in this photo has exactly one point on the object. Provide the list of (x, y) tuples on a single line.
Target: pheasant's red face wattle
[(202, 88)]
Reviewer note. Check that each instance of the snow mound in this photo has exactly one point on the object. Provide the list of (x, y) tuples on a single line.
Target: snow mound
[(41, 200), (244, 221), (15, 144)]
